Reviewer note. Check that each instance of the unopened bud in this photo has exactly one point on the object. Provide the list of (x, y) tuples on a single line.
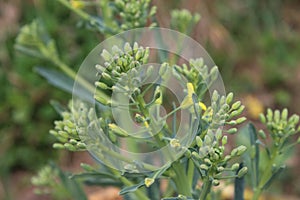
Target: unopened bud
[(242, 172), (235, 166), (229, 98)]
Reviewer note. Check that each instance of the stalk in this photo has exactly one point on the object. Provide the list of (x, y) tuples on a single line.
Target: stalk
[(205, 188)]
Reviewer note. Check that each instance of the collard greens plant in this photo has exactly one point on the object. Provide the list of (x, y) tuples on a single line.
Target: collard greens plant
[(205, 163)]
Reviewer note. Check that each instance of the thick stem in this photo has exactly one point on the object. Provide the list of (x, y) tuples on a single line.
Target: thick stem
[(265, 177), (180, 179), (205, 188)]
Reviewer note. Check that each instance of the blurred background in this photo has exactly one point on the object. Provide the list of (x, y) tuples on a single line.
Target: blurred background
[(255, 43)]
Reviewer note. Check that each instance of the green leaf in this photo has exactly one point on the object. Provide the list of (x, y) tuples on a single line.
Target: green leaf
[(103, 182), (132, 188), (71, 185), (96, 175), (56, 78), (273, 177)]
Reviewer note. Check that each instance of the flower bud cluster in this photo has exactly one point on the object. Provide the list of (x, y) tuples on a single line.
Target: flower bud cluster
[(119, 66), (183, 20), (213, 161), (66, 131), (279, 124), (134, 13), (222, 111)]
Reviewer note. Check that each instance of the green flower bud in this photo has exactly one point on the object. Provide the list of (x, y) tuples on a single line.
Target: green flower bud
[(58, 146), (87, 167), (294, 119), (262, 118), (63, 134), (215, 96), (220, 169), (242, 172), (106, 55), (127, 48), (118, 130), (204, 167), (227, 158), (81, 145), (224, 140), (73, 141), (219, 134), (236, 105), (229, 98), (235, 166), (196, 155), (269, 115), (163, 69), (262, 134), (232, 131), (241, 120), (199, 141), (101, 100), (276, 116), (70, 147), (100, 68), (231, 123), (106, 76), (101, 85), (214, 72), (207, 140), (207, 161), (216, 183), (241, 149), (284, 114), (53, 132)]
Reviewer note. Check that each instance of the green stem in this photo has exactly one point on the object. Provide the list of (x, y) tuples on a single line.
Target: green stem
[(266, 176), (205, 188), (138, 193), (79, 12), (190, 172), (180, 179)]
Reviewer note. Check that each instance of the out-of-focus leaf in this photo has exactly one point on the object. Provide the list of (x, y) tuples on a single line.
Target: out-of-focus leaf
[(56, 78), (273, 177), (96, 175), (58, 107), (70, 184)]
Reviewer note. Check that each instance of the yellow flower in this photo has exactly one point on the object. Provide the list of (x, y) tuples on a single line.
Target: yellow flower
[(203, 106), (77, 4), (174, 143), (149, 181), (254, 106), (188, 100)]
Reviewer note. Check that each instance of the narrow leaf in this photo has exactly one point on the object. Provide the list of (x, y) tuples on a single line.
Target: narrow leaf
[(273, 177), (255, 159), (132, 188)]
